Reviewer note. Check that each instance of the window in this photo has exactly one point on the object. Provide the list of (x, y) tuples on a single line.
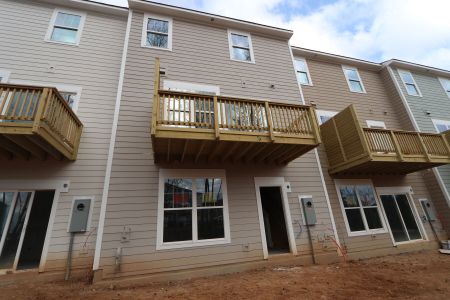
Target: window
[(70, 98), (240, 46), (157, 32), (354, 81), (410, 85), (324, 115), (376, 124), (360, 208), (4, 76), (65, 27), (446, 85), (301, 68), (192, 209), (441, 125)]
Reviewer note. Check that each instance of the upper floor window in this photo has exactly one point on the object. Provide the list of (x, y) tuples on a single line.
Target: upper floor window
[(410, 84), (66, 27), (4, 76), (446, 85), (157, 32), (354, 80), (441, 125), (325, 115), (376, 124), (240, 46), (301, 68)]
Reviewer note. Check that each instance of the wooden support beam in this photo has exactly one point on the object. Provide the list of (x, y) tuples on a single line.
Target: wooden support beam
[(168, 149), (155, 104), (44, 146), (9, 146), (277, 156), (244, 151), (266, 154), (29, 146), (186, 143), (218, 146), (424, 148), (293, 155), (260, 149), (202, 145), (230, 151), (6, 154), (216, 118), (397, 146), (269, 120)]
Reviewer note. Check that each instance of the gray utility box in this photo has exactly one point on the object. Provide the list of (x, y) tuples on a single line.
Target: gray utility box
[(80, 215), (429, 211), (309, 211)]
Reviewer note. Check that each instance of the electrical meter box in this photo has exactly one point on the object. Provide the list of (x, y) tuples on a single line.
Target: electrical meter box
[(80, 215), (428, 208), (309, 211)]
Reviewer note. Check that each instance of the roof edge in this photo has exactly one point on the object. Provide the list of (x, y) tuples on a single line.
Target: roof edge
[(90, 5)]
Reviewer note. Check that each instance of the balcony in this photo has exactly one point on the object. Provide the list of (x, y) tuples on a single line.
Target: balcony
[(189, 127), (352, 149), (36, 122)]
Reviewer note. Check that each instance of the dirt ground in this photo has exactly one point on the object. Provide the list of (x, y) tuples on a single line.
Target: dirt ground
[(424, 275)]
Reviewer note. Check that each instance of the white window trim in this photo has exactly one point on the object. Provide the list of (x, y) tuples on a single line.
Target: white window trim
[(436, 121), (392, 190), (376, 124), (339, 182), (250, 43), (404, 83), (91, 208), (307, 71), (4, 74), (325, 113), (144, 31), (199, 88), (188, 173), (348, 81), (51, 25), (59, 86), (442, 80)]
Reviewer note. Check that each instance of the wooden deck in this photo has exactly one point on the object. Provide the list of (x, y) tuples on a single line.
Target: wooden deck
[(37, 122), (199, 127), (352, 149)]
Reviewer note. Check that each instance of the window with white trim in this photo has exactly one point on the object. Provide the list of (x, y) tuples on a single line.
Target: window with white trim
[(157, 32), (66, 27), (193, 210), (70, 98), (360, 207), (376, 124), (410, 84), (441, 125), (241, 48), (4, 75), (324, 115), (353, 79), (301, 69), (446, 85)]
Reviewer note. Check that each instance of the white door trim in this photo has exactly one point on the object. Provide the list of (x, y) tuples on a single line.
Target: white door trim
[(8, 219), (24, 228), (274, 182)]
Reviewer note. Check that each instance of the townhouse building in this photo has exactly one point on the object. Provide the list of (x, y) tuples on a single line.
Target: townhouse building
[(59, 69)]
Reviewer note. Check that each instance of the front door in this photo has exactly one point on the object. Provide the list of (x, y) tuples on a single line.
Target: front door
[(401, 218)]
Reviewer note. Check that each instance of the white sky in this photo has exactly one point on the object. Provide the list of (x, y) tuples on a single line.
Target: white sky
[(377, 30)]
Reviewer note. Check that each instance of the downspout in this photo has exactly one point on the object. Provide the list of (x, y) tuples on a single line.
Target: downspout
[(112, 142)]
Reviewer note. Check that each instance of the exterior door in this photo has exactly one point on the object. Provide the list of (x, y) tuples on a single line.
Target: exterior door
[(401, 218)]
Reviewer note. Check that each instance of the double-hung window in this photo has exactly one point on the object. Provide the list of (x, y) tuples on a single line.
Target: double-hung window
[(192, 209), (66, 27), (446, 85), (360, 208), (301, 68), (410, 84), (325, 115), (353, 79), (441, 125), (241, 48), (157, 32)]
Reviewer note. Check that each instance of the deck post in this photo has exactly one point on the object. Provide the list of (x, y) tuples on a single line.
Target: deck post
[(314, 124), (424, 148), (397, 146), (269, 120), (46, 93), (156, 100), (446, 142), (216, 118)]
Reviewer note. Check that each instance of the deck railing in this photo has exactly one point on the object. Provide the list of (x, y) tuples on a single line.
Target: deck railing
[(41, 108)]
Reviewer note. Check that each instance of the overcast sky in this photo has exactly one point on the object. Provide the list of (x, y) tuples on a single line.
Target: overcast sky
[(376, 30)]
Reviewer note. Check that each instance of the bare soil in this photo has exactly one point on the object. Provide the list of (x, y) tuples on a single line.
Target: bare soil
[(424, 275)]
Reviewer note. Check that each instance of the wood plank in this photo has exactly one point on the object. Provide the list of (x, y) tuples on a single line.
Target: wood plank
[(45, 146), (31, 147), (186, 143), (9, 146), (199, 152), (230, 151)]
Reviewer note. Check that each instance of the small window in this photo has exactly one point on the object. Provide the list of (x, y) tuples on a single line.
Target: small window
[(301, 68), (446, 85), (70, 98), (354, 80), (240, 46), (157, 32), (193, 210), (4, 75), (410, 84), (360, 208), (376, 124), (65, 27), (324, 115), (441, 125)]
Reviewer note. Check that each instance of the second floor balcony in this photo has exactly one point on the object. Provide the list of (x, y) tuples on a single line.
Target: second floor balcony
[(36, 122), (208, 128), (353, 149)]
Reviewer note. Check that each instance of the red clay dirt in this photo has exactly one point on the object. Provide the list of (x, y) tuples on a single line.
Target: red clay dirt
[(424, 275)]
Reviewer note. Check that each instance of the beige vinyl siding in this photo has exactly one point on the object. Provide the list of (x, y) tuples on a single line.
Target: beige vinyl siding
[(200, 55), (330, 92), (93, 66)]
